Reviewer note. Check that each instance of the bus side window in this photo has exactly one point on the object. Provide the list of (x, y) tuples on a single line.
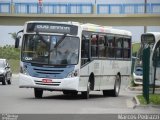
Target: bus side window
[(110, 44), (84, 50), (94, 46), (119, 47), (156, 55), (126, 47), (101, 45)]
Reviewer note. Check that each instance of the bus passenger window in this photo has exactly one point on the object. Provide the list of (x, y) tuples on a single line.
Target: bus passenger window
[(110, 44), (119, 47), (156, 55), (94, 46), (101, 45), (126, 47)]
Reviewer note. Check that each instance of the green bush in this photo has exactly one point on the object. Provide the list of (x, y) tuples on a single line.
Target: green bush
[(135, 48), (9, 52), (12, 55), (15, 65)]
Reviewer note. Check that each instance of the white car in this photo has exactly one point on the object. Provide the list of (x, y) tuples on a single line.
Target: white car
[(5, 72), (138, 75)]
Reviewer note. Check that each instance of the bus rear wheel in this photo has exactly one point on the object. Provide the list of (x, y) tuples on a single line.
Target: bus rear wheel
[(115, 91), (38, 93)]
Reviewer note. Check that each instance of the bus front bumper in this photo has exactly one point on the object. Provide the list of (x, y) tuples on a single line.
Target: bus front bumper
[(26, 81)]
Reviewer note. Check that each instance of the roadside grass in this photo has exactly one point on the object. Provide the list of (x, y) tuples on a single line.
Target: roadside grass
[(14, 64), (135, 47), (153, 99)]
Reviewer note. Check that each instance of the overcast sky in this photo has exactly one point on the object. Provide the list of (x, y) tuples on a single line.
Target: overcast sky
[(136, 30)]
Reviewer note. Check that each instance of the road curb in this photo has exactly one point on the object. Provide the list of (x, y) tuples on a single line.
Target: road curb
[(134, 88), (138, 105), (138, 88)]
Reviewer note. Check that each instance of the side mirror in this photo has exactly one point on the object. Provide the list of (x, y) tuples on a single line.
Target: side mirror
[(17, 42), (17, 39)]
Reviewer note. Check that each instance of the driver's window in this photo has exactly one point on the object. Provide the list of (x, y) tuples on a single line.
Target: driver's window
[(156, 55)]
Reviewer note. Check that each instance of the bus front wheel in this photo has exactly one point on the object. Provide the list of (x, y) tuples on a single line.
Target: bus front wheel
[(4, 80), (85, 94), (38, 93)]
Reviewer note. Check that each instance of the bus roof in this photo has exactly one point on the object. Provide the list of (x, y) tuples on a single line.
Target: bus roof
[(104, 29), (89, 27), (69, 22)]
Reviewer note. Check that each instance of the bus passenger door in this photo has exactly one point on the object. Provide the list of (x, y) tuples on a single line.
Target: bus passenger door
[(156, 64), (95, 65)]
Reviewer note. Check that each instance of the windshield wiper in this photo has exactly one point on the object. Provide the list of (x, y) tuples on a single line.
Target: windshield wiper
[(60, 40), (41, 38)]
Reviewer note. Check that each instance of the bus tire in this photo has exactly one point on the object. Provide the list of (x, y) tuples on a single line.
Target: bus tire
[(9, 82), (38, 93), (117, 85), (115, 91), (85, 94)]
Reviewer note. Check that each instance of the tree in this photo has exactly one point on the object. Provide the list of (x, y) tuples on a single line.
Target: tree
[(13, 35)]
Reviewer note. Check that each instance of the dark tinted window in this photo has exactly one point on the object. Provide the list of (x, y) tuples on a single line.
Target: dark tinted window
[(111, 44), (127, 47), (101, 46), (118, 47), (94, 46)]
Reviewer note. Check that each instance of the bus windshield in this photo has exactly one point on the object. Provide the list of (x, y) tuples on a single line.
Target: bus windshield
[(50, 49), (146, 40)]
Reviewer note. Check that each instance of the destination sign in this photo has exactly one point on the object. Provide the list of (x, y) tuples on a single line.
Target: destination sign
[(52, 28)]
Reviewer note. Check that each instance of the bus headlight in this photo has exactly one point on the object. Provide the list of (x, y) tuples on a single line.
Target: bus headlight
[(74, 73), (23, 70)]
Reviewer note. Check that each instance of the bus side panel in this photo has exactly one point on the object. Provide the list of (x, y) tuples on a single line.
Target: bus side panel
[(97, 70), (108, 73), (110, 69), (83, 83), (92, 67)]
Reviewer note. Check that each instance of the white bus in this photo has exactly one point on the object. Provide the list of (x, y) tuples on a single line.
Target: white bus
[(151, 39), (73, 57)]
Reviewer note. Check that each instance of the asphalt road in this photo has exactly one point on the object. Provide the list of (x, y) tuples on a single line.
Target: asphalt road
[(21, 101)]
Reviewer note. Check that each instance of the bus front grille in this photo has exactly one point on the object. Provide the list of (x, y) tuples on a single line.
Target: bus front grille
[(46, 71), (50, 84)]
